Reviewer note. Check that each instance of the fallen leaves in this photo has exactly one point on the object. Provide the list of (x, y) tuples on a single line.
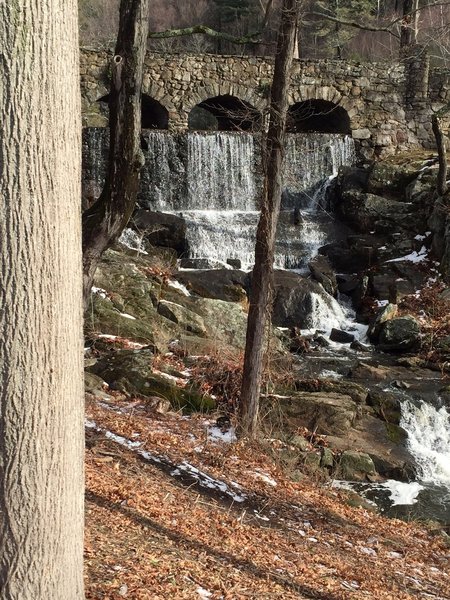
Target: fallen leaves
[(149, 536)]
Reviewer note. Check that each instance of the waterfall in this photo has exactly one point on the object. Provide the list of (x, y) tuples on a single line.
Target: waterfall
[(428, 441), (213, 180), (312, 158), (221, 172)]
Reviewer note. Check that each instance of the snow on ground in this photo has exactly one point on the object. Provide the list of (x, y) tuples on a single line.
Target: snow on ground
[(184, 468), (215, 434), (414, 257), (178, 286)]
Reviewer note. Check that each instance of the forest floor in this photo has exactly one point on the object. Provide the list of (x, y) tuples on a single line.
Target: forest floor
[(173, 511)]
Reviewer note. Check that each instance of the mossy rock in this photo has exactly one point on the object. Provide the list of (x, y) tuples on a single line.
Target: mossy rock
[(106, 319), (357, 392), (389, 178), (396, 433), (386, 406), (130, 371), (356, 466)]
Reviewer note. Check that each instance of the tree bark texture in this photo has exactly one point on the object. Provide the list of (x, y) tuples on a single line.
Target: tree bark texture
[(41, 381), (441, 183), (260, 301), (407, 31), (104, 221)]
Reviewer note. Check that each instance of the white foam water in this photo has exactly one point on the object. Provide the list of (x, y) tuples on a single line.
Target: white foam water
[(428, 430)]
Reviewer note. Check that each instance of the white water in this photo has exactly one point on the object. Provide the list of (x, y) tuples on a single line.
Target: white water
[(221, 172), (223, 188), (214, 181), (428, 441), (327, 313)]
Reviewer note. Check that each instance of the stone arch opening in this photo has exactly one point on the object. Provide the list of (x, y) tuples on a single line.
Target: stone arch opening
[(318, 116), (225, 113), (153, 114)]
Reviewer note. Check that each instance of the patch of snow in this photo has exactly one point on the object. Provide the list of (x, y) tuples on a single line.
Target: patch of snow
[(368, 551), (215, 434), (178, 286), (130, 239), (402, 493), (327, 374), (264, 477), (207, 481), (395, 554), (167, 376), (260, 517), (127, 316), (414, 257), (204, 594), (100, 292), (107, 336)]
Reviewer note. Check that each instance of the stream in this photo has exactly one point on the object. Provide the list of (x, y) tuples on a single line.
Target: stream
[(213, 181)]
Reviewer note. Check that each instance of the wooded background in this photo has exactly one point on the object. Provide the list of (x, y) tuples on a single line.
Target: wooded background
[(322, 34)]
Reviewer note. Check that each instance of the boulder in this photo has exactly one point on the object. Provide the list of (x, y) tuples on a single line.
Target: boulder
[(356, 466), (385, 313), (401, 334), (386, 406), (162, 229), (389, 177), (296, 299), (322, 272), (326, 413), (341, 337), (370, 212), (130, 372), (187, 319), (222, 284)]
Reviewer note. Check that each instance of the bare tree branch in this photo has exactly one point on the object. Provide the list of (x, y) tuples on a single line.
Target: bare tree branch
[(388, 28), (252, 38), (354, 24)]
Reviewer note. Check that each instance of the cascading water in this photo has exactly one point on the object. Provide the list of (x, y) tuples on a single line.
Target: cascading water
[(428, 431), (223, 184), (213, 180)]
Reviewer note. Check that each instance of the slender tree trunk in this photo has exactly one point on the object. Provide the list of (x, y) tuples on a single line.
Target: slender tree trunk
[(270, 209), (105, 220), (407, 27), (442, 152), (41, 385)]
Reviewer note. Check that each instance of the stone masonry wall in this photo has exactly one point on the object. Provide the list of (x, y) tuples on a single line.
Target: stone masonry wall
[(389, 104)]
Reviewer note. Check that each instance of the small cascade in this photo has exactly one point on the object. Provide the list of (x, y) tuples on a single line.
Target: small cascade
[(428, 431), (221, 172), (95, 144), (311, 159)]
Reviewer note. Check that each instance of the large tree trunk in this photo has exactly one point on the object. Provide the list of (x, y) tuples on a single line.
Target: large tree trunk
[(104, 221), (41, 384), (260, 306)]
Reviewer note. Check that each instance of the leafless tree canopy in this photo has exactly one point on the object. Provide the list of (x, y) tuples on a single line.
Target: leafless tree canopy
[(359, 29)]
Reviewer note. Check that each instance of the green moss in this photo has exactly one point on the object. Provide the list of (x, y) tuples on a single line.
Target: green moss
[(395, 433)]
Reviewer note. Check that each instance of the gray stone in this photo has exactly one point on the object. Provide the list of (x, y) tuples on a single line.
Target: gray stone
[(401, 334), (356, 466)]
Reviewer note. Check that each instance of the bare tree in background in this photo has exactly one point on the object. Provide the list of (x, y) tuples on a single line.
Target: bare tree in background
[(105, 220), (262, 277)]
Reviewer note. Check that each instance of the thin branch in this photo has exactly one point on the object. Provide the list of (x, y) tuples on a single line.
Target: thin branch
[(354, 24), (386, 28), (252, 38)]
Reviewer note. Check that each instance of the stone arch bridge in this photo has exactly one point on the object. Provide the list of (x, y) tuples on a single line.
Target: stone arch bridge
[(385, 106)]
